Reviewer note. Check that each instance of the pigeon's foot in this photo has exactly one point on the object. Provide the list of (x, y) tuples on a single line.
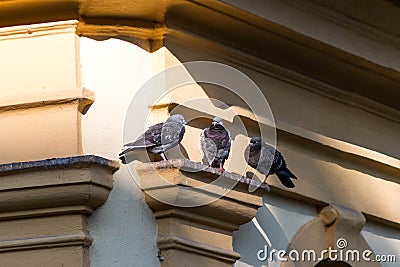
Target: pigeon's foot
[(221, 169), (163, 156)]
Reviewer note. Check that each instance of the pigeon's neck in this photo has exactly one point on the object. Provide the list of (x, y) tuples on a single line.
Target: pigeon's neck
[(218, 127), (256, 146)]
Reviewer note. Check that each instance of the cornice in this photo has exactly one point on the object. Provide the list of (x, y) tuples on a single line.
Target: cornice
[(198, 230), (45, 205), (82, 96), (181, 37), (55, 186), (148, 23), (58, 163), (38, 29)]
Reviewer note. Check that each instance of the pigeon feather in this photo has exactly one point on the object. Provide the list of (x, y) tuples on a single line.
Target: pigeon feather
[(160, 137), (215, 144), (261, 156)]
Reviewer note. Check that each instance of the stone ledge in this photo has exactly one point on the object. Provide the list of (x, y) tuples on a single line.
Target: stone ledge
[(84, 96), (198, 232), (58, 163), (209, 173), (60, 185), (45, 205)]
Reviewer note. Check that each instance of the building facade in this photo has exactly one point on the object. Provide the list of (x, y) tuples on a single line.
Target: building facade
[(81, 78)]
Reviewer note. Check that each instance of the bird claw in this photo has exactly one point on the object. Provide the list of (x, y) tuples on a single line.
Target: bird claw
[(221, 169)]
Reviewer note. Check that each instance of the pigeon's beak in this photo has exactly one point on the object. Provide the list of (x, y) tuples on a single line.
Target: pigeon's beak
[(215, 123)]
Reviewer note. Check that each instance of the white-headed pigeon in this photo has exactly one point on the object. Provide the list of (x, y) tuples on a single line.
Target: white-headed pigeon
[(260, 155), (215, 143), (159, 137)]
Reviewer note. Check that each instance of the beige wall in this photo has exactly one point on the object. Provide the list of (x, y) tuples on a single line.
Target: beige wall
[(316, 148), (124, 228), (39, 71), (330, 79)]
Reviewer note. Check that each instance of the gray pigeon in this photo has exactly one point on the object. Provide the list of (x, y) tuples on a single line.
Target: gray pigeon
[(260, 155), (159, 137), (215, 143)]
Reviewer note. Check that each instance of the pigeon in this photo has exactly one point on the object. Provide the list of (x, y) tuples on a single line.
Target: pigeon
[(215, 143), (159, 137), (259, 155)]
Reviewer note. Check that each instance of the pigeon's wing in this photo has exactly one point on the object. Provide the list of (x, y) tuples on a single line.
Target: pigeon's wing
[(224, 146), (278, 161), (228, 145), (252, 155), (247, 154), (279, 167), (285, 179), (151, 138), (208, 147), (267, 154), (202, 139), (171, 132)]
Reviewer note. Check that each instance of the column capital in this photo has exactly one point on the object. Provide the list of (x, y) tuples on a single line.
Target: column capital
[(45, 205), (195, 223)]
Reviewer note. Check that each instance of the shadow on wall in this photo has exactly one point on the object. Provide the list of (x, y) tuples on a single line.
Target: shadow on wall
[(126, 241), (273, 227)]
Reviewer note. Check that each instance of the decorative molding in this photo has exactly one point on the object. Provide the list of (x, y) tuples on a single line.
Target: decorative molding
[(340, 222), (41, 212), (79, 239), (342, 149), (151, 22), (202, 233), (360, 160), (187, 215), (38, 29), (197, 248), (58, 163), (347, 22), (335, 225), (84, 96), (45, 206), (182, 36)]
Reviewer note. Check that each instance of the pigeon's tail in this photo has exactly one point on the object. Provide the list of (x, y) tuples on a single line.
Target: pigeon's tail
[(129, 149), (123, 159), (284, 176), (122, 155)]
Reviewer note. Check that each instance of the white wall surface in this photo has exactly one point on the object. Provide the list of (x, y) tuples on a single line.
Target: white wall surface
[(274, 226), (384, 241), (279, 220), (124, 229)]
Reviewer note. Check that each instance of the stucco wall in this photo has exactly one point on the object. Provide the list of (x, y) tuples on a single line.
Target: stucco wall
[(384, 240), (124, 229), (274, 226)]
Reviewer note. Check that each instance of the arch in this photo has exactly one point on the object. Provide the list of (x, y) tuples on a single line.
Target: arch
[(335, 234), (329, 263)]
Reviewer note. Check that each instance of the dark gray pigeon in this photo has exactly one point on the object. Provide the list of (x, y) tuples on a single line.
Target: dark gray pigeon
[(215, 143), (260, 155), (159, 137)]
